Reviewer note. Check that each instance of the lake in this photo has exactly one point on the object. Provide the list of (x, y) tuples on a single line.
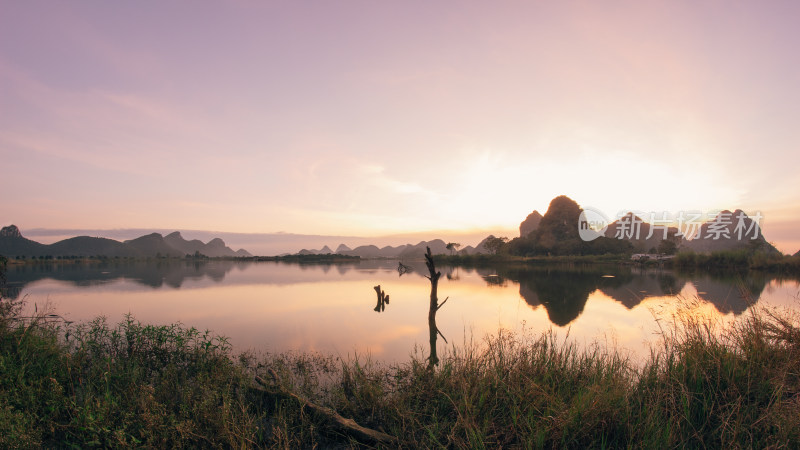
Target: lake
[(276, 307)]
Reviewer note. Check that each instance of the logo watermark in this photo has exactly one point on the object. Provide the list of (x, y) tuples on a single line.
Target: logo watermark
[(592, 224), (690, 225)]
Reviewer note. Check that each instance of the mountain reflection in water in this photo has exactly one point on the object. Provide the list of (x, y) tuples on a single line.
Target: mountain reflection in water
[(561, 290)]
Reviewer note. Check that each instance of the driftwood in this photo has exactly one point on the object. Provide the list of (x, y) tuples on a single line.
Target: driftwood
[(329, 416)]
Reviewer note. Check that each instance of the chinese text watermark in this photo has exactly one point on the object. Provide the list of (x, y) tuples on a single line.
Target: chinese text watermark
[(689, 225)]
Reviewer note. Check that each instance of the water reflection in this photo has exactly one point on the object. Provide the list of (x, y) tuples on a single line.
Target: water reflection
[(563, 294), (277, 306), (631, 288), (730, 293), (156, 274), (562, 291), (433, 305)]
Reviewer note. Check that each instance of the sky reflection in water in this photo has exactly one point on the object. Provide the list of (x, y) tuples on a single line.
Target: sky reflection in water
[(330, 308)]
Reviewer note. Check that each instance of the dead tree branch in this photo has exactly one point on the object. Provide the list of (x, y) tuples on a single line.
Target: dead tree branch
[(434, 306), (329, 416)]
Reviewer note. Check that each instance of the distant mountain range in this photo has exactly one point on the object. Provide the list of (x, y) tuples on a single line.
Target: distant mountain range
[(437, 247), (13, 244), (407, 251), (726, 231), (557, 231), (554, 232)]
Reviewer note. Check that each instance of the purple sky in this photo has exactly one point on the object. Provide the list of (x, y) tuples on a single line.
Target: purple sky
[(375, 118)]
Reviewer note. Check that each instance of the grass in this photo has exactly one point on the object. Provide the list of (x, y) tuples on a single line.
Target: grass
[(137, 385), (739, 259)]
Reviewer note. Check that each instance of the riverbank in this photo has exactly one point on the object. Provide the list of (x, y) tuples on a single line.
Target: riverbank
[(722, 260), (132, 384)]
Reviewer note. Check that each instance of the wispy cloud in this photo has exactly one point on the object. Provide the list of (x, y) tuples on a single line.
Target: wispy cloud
[(281, 116)]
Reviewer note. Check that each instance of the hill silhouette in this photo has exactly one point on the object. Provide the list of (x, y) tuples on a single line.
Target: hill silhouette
[(13, 244), (557, 233), (530, 224), (642, 235), (153, 244), (177, 241), (729, 231), (437, 247), (92, 246)]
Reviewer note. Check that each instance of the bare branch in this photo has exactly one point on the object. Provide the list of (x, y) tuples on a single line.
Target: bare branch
[(440, 334)]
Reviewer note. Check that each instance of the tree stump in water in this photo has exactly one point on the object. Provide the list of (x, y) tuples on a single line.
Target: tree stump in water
[(383, 299)]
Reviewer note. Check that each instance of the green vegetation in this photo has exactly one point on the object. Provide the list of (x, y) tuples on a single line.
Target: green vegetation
[(742, 259), (452, 247), (494, 244), (557, 234), (133, 385)]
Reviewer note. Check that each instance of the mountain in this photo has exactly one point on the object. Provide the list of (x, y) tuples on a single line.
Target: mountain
[(641, 234), (437, 246), (84, 246), (480, 248), (11, 232), (175, 240), (729, 231), (366, 251), (557, 232), (530, 224), (323, 251), (13, 244), (468, 250), (153, 244), (214, 248)]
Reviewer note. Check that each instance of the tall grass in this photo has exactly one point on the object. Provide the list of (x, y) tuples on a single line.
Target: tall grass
[(132, 385), (127, 385), (741, 259), (737, 385)]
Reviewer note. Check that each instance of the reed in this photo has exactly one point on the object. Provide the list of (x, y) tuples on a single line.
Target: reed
[(131, 385)]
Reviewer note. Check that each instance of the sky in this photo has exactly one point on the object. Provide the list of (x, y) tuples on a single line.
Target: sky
[(371, 119)]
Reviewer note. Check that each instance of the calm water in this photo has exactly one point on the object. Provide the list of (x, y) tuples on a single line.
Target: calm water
[(330, 308)]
